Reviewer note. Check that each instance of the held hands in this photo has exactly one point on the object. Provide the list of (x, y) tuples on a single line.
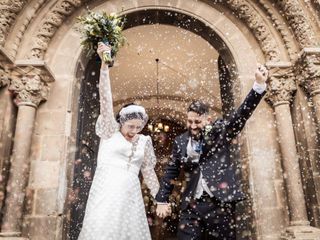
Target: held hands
[(261, 74), (163, 210)]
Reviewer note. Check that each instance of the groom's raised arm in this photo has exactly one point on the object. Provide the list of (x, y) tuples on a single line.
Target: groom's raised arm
[(235, 123)]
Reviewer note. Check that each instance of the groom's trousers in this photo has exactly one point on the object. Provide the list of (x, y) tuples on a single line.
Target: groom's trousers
[(207, 218)]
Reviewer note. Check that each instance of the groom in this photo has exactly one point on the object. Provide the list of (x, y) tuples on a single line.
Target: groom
[(212, 182)]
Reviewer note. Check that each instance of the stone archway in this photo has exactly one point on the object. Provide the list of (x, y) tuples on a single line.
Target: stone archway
[(87, 142), (231, 48), (61, 45)]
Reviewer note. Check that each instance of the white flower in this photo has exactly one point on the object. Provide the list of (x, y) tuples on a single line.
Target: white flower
[(208, 129)]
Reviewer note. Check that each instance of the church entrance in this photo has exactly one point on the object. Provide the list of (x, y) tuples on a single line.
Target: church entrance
[(169, 60)]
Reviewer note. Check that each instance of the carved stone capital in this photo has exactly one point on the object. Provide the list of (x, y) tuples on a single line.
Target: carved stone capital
[(281, 87), (29, 89), (308, 70), (30, 85), (5, 68)]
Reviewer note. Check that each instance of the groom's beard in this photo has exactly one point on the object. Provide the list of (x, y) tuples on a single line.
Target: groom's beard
[(195, 133)]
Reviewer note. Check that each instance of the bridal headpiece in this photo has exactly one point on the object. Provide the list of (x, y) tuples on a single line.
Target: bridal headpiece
[(133, 112)]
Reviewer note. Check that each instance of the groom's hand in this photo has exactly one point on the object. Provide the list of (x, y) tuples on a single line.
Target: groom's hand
[(163, 210), (261, 74)]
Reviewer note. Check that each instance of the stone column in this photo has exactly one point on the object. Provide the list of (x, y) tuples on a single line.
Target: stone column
[(7, 110), (29, 89), (280, 94), (308, 76)]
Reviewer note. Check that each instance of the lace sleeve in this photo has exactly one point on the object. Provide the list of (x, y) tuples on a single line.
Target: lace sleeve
[(106, 124), (147, 168)]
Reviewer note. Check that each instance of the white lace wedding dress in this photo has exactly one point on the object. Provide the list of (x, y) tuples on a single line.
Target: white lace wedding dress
[(115, 208)]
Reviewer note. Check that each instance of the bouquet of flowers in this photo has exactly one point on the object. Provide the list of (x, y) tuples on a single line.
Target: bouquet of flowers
[(101, 27)]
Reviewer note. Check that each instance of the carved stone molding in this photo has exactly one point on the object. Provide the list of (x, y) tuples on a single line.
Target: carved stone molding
[(32, 13), (53, 20), (8, 14), (281, 87), (299, 23), (243, 9), (259, 28), (279, 23), (30, 84), (308, 70)]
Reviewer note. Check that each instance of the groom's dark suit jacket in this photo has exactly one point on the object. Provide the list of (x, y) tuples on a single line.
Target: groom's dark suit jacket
[(215, 163)]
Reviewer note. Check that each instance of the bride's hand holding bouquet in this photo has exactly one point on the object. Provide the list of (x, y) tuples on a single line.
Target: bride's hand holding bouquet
[(101, 27), (104, 50)]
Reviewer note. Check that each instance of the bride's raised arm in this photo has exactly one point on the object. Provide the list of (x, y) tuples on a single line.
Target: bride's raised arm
[(106, 124)]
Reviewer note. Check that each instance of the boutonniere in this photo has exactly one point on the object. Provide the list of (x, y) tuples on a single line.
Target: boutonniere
[(207, 130)]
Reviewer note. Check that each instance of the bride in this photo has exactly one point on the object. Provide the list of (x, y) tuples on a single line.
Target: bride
[(115, 208)]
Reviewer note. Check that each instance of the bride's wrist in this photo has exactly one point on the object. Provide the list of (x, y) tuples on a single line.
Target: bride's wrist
[(104, 66)]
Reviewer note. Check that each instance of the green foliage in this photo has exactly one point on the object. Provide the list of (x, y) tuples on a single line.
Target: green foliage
[(101, 27)]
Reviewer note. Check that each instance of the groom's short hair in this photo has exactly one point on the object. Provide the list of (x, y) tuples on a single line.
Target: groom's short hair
[(199, 107)]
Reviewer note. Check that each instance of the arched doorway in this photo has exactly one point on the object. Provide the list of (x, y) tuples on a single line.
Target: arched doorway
[(219, 94), (42, 32)]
